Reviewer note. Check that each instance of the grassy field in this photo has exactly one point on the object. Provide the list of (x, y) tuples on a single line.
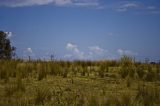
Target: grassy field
[(79, 83)]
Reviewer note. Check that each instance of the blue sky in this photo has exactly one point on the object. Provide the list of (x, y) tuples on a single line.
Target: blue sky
[(83, 29)]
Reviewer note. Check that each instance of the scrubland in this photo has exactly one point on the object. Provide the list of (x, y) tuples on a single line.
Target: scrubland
[(122, 82)]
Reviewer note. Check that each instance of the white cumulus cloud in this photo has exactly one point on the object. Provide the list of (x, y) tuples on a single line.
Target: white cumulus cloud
[(29, 50), (75, 50), (126, 52), (71, 46), (97, 50)]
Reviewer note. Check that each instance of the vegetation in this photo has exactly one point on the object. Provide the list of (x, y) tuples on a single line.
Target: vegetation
[(6, 50), (79, 83)]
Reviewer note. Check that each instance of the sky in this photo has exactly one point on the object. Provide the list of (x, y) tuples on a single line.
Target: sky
[(83, 29)]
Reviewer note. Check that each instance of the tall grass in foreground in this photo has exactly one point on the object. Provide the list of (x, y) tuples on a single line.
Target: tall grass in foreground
[(79, 83), (148, 95)]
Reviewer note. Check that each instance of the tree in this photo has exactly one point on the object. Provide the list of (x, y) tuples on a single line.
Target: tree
[(6, 50)]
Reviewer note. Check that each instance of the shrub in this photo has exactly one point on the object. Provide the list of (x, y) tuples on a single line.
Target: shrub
[(124, 72), (127, 67)]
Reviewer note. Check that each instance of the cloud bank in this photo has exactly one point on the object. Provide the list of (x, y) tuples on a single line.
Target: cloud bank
[(21, 3), (116, 6), (93, 52)]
